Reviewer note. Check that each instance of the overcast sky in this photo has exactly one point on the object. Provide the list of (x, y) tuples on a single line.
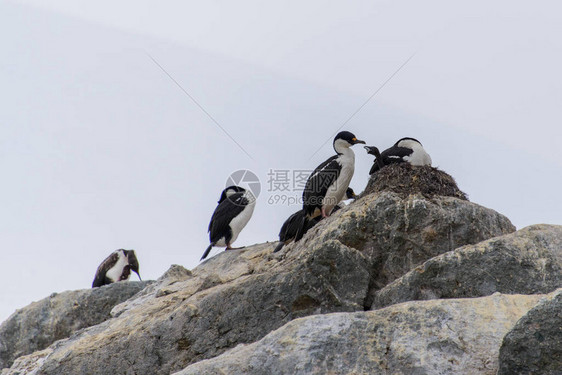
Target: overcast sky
[(100, 149)]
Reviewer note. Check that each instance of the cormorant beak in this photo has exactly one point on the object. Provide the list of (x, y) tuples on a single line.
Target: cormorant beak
[(356, 141)]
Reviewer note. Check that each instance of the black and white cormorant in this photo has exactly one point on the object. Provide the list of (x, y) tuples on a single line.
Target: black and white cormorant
[(405, 150), (116, 267), (327, 185), (234, 210), (295, 222)]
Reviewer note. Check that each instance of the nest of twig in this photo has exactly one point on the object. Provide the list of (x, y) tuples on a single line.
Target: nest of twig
[(405, 179)]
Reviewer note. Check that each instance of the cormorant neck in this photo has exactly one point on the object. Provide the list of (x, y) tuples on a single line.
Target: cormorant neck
[(342, 147), (346, 151)]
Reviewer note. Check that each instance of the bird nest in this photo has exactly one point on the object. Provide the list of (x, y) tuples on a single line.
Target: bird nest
[(405, 179)]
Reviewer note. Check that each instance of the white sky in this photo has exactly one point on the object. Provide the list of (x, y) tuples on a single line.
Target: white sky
[(99, 149)]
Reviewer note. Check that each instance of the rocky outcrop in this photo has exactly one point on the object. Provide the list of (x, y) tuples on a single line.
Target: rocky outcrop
[(238, 297), (412, 235), (397, 234), (58, 316), (460, 336), (528, 261), (534, 345)]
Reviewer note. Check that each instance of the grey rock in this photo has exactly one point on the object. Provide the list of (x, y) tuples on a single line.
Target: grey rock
[(396, 235), (239, 296), (173, 275), (56, 317), (459, 336), (236, 297), (528, 261), (534, 345)]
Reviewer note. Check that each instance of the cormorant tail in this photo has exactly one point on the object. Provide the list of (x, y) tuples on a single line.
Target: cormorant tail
[(303, 228), (207, 251), (279, 247)]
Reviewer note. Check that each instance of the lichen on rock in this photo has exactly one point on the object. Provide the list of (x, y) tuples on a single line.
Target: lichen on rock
[(534, 344), (56, 317), (528, 261), (460, 336)]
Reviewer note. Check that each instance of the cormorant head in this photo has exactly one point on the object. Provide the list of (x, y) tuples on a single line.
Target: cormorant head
[(350, 194), (133, 261), (372, 150), (407, 142), (345, 140), (229, 191)]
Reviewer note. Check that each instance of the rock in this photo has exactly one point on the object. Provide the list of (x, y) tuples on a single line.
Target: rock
[(56, 317), (396, 235), (240, 296), (173, 275), (460, 336), (534, 345), (528, 261), (236, 297)]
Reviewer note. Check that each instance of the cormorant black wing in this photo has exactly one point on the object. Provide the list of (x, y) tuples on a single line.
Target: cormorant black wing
[(227, 210), (294, 228), (318, 183), (105, 266), (291, 226)]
